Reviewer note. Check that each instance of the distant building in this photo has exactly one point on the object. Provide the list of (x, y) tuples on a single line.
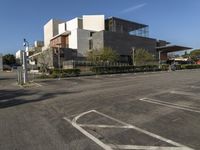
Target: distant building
[(180, 60), (39, 44), (18, 56)]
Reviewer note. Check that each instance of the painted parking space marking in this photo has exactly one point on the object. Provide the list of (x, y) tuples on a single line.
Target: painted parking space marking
[(109, 146), (172, 105), (136, 147), (195, 87), (39, 85), (183, 93)]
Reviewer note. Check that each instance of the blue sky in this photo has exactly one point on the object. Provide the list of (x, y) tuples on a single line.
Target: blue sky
[(177, 21)]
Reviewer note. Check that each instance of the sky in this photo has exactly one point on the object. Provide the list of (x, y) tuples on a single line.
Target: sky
[(177, 21)]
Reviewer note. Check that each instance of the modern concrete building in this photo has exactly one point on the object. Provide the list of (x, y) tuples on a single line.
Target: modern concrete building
[(51, 30), (71, 40), (77, 33)]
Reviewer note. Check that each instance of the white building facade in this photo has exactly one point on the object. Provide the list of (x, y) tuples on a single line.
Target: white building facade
[(75, 33), (51, 30), (19, 55)]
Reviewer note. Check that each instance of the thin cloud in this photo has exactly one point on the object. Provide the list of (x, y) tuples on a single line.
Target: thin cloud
[(133, 8)]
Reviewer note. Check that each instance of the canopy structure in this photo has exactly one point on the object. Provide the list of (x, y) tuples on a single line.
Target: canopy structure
[(168, 49), (172, 48)]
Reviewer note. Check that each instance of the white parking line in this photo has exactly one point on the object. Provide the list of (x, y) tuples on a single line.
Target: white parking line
[(143, 131), (104, 126), (90, 136), (195, 87), (183, 93), (132, 147), (39, 85), (79, 127), (172, 105)]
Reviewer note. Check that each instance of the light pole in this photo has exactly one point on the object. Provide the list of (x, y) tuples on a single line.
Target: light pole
[(26, 45), (59, 61), (159, 57), (133, 50)]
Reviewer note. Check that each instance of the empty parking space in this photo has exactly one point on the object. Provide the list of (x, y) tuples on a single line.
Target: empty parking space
[(145, 111), (111, 133), (182, 115)]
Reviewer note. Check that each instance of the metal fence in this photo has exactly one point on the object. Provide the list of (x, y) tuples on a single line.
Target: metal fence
[(77, 63), (87, 65)]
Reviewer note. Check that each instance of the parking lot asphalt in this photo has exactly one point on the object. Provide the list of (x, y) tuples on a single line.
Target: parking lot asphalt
[(125, 111)]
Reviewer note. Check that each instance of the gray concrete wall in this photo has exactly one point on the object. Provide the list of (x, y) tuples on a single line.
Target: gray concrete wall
[(83, 42), (98, 40), (123, 43), (50, 57), (46, 58)]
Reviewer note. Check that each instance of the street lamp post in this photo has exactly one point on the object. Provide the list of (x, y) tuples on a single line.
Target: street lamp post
[(26, 45), (59, 61), (159, 57), (133, 50)]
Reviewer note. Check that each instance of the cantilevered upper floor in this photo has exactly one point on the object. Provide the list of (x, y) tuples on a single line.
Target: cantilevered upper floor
[(119, 25)]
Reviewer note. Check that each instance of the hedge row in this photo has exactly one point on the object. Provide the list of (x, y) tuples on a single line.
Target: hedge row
[(194, 66), (55, 73), (181, 67), (146, 68), (125, 69)]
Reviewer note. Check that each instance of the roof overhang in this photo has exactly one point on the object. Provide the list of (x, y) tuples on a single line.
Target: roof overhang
[(172, 48), (36, 54), (62, 34)]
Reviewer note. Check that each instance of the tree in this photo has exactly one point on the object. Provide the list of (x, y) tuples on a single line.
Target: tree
[(93, 55), (142, 57), (9, 59), (44, 60), (103, 55), (186, 55), (195, 55)]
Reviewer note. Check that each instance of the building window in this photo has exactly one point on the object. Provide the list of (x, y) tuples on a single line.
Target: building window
[(91, 33), (90, 44)]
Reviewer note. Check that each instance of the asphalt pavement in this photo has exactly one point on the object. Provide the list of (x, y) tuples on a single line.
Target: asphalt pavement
[(125, 111)]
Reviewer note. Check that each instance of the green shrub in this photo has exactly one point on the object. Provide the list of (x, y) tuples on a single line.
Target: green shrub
[(55, 73), (190, 66), (164, 67), (44, 76), (70, 72), (178, 67), (124, 69)]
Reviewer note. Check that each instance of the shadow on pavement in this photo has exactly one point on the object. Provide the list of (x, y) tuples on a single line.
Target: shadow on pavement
[(10, 98), (2, 79)]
